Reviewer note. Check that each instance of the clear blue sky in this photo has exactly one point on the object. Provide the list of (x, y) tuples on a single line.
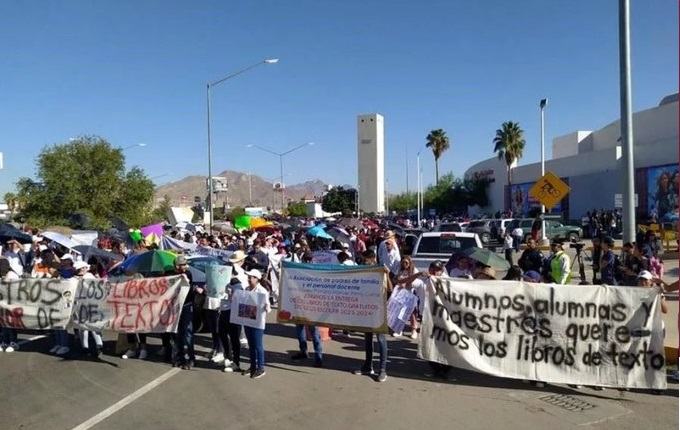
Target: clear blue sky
[(136, 71)]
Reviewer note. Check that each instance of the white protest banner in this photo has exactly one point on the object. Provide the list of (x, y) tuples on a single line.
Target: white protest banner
[(583, 335), (131, 305), (248, 308), (217, 277), (349, 297), (325, 257), (400, 307), (37, 304)]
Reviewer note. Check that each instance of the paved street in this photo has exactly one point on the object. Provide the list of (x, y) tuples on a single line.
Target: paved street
[(44, 392)]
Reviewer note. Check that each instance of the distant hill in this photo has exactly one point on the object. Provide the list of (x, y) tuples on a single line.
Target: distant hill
[(240, 185)]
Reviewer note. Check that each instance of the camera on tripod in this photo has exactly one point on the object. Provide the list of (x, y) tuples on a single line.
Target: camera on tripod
[(577, 246)]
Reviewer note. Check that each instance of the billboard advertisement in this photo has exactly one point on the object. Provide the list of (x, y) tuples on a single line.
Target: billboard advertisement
[(521, 202), (662, 192)]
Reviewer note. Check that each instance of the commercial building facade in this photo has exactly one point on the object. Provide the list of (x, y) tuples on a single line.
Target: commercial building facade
[(590, 163)]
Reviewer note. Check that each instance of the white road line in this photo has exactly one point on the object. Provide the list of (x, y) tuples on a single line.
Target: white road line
[(126, 401), (31, 339)]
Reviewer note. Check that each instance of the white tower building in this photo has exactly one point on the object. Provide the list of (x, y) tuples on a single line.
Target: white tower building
[(371, 162)]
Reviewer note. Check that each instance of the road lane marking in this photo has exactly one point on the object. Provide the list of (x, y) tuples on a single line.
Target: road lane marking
[(126, 401), (31, 339)]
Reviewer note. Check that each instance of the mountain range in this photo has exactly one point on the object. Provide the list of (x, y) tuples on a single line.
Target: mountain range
[(243, 189)]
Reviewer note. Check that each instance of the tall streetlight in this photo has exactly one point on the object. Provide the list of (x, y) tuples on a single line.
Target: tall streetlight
[(210, 85), (543, 103), (418, 196), (628, 196), (281, 155)]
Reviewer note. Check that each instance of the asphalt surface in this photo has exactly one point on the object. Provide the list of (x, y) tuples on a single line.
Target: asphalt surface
[(45, 392)]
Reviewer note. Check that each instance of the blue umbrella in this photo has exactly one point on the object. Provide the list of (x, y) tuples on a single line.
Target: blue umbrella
[(318, 231)]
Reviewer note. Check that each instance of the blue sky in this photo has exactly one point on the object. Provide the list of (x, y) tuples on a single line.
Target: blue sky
[(136, 71)]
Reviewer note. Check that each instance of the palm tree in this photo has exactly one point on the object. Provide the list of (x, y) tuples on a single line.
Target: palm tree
[(11, 200), (439, 142), (509, 144)]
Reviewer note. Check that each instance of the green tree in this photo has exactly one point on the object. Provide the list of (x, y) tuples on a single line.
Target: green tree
[(297, 209), (509, 145), (85, 176), (12, 202), (401, 203), (160, 212), (439, 142), (339, 199)]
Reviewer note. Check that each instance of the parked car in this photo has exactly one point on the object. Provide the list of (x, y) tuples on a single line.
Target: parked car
[(485, 228), (554, 229), (449, 226), (432, 246)]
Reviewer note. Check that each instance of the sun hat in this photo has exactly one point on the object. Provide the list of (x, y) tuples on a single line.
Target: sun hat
[(180, 260), (237, 256), (488, 271)]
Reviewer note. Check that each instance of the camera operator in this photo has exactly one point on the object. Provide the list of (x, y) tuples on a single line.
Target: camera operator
[(597, 254), (608, 262), (532, 258)]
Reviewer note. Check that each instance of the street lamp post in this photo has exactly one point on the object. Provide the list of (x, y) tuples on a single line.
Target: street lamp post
[(418, 196), (543, 104), (210, 85), (281, 155), (626, 123)]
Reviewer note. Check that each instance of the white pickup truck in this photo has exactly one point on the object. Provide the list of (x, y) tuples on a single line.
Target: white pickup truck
[(432, 246)]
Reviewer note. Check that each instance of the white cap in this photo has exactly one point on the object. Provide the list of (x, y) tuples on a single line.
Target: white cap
[(645, 274), (80, 264), (254, 273), (66, 257)]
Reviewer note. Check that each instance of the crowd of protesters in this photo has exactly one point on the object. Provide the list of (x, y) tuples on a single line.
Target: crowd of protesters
[(254, 256)]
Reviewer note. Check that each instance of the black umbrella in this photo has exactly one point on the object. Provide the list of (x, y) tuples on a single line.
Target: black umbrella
[(119, 223), (9, 232), (88, 251)]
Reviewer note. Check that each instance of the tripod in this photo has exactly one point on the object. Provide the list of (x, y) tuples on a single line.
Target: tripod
[(581, 266)]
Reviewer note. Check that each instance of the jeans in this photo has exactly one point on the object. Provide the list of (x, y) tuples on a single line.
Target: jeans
[(9, 335), (61, 337), (316, 340), (185, 336), (212, 319), (382, 351), (255, 347), (229, 335)]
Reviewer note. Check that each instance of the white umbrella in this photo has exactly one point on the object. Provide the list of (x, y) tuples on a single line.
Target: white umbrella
[(60, 239)]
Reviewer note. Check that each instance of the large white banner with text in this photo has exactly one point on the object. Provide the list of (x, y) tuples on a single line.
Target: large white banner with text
[(131, 305), (584, 335), (37, 304), (349, 297)]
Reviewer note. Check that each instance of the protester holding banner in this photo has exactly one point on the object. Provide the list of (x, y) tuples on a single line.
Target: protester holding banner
[(83, 272), (255, 335), (307, 258), (229, 332), (9, 334), (369, 259), (184, 338), (406, 270)]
